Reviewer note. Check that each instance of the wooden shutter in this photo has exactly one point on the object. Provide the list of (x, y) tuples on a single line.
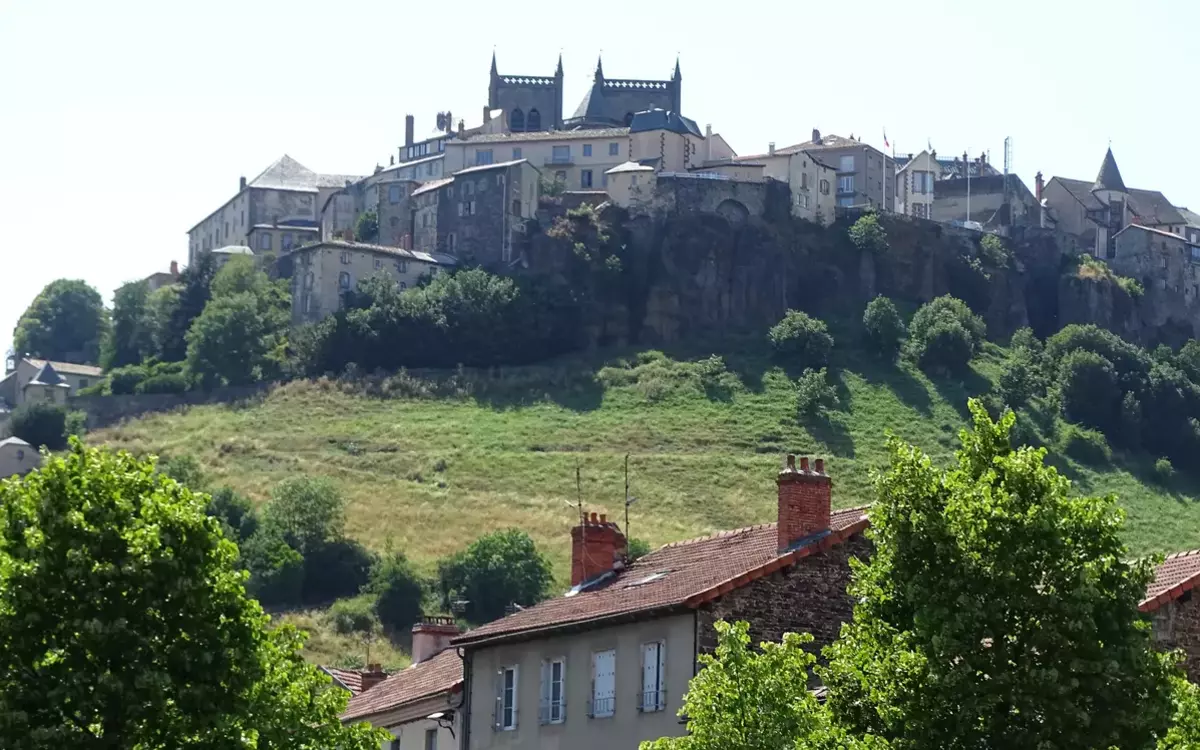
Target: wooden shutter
[(604, 683), (544, 707), (498, 707)]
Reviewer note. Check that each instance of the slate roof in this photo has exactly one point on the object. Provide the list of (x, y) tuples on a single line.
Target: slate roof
[(15, 441), (630, 166), (547, 135), (1191, 218), (442, 673), (662, 119), (351, 679), (1176, 575), (47, 376), (232, 250), (433, 185), (827, 142), (488, 167), (69, 368), (1152, 230), (1109, 177), (436, 258), (676, 576), (1149, 205), (288, 174)]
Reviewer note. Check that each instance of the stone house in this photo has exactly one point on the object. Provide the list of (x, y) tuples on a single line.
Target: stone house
[(608, 663), (321, 273), (419, 706), (1173, 610), (387, 192), (994, 203), (29, 379), (481, 212), (1168, 266), (865, 175), (17, 457)]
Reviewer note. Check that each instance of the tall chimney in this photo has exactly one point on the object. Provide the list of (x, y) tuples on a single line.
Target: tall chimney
[(241, 184), (597, 545), (804, 500), (487, 114), (1039, 183), (372, 676), (707, 143), (431, 636), (771, 148), (174, 268), (816, 136), (408, 130)]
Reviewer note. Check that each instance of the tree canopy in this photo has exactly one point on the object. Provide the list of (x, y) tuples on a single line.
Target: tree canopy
[(496, 570), (66, 322), (130, 339)]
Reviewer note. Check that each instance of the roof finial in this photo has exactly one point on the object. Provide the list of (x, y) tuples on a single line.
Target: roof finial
[(493, 61), (600, 66), (559, 71), (678, 75)]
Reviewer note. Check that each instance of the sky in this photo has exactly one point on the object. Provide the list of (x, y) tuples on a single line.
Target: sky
[(123, 123)]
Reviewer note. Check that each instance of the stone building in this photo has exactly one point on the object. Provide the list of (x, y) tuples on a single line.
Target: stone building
[(481, 212), (614, 102), (17, 457), (864, 174), (529, 103), (608, 663), (28, 379), (1168, 267), (1173, 609), (272, 213), (995, 203), (917, 174)]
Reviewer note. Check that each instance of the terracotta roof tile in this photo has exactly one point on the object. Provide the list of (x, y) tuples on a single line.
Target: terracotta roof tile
[(351, 679), (1177, 574), (441, 674), (676, 575)]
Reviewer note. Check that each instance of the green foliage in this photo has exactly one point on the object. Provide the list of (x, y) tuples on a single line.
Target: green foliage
[(1020, 379), (801, 340), (1088, 389), (130, 339), (814, 394), (868, 235), (276, 570), (945, 334), (992, 248), (1091, 267), (636, 548), (367, 228), (658, 378), (40, 424), (241, 335), (160, 320), (883, 328), (335, 569), (168, 382), (307, 513), (551, 188), (1164, 472), (185, 469), (354, 617), (159, 646), (1024, 338), (1188, 359), (66, 322), (989, 583), (1184, 733), (182, 307), (496, 570), (748, 699), (398, 590), (1084, 445), (75, 424), (124, 380), (947, 309), (235, 513)]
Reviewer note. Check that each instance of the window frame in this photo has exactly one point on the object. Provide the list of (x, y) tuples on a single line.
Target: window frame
[(660, 670), (587, 149), (508, 698), (393, 194), (842, 163), (553, 711), (603, 706), (431, 733), (614, 148)]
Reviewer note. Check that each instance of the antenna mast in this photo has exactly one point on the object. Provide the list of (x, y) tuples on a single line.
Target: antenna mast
[(626, 495)]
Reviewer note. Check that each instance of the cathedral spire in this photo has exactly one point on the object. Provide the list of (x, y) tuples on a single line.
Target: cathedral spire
[(1109, 177)]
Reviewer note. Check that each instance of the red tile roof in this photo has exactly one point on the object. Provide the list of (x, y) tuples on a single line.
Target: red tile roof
[(680, 575), (441, 674), (351, 679), (1176, 575)]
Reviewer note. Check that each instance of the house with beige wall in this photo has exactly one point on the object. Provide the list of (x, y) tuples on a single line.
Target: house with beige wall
[(607, 664), (28, 379), (865, 175), (914, 185), (17, 457), (321, 273)]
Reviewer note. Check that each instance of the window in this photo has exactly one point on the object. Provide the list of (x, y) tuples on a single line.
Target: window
[(846, 163), (845, 200), (534, 120), (560, 176), (802, 201), (264, 241), (560, 154), (585, 178), (378, 264), (429, 166), (345, 258), (604, 684), (227, 230), (614, 149), (824, 187), (83, 382), (516, 153), (483, 156), (344, 281), (402, 266), (431, 739), (243, 220), (393, 193), (604, 179), (920, 210), (516, 120), (506, 699), (804, 180), (516, 206), (285, 241), (587, 149), (462, 208), (471, 208), (468, 188), (654, 662), (424, 221), (403, 285), (394, 744), (553, 704), (846, 184)]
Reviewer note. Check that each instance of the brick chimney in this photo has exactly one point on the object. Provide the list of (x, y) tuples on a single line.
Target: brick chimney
[(1040, 184), (431, 636), (597, 545), (816, 136), (372, 676), (408, 130), (241, 184), (804, 499), (174, 268)]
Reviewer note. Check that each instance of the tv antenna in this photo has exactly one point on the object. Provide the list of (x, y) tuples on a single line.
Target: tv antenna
[(629, 500)]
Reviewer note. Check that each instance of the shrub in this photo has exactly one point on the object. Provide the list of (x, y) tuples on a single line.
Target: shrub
[(124, 381), (235, 513), (1019, 380), (636, 548), (1024, 338), (398, 590), (801, 340), (335, 569), (496, 570), (367, 228), (184, 469), (1084, 445), (1088, 390), (40, 424), (276, 570), (867, 234), (884, 328), (353, 616), (306, 512), (946, 346), (98, 388), (167, 383), (76, 424), (1131, 419), (814, 395), (947, 308), (1163, 470), (993, 251)]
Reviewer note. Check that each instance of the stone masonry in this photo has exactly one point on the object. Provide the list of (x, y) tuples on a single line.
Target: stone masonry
[(1177, 626)]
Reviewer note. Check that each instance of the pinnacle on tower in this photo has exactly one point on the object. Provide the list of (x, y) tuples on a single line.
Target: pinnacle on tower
[(1109, 177), (494, 61), (677, 75), (599, 68), (559, 71)]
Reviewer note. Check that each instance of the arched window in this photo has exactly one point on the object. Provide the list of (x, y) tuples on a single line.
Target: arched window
[(534, 121), (516, 120)]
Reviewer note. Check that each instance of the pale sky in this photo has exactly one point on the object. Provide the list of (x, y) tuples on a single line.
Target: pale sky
[(125, 122)]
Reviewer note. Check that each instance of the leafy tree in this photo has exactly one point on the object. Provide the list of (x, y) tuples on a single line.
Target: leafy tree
[(185, 469), (1088, 389), (1024, 338), (235, 513), (353, 616), (883, 327), (743, 699), (997, 611), (496, 570), (801, 340), (1020, 379), (1188, 359), (306, 512), (1184, 733), (40, 424), (637, 548), (66, 322), (946, 346), (335, 569), (125, 623), (867, 234), (367, 228), (159, 322), (230, 343), (1164, 472), (276, 570), (399, 591), (189, 300), (814, 394), (992, 249), (130, 340), (946, 309)]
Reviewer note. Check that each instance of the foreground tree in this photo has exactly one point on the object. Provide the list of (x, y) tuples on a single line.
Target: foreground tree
[(66, 322), (124, 623), (997, 611)]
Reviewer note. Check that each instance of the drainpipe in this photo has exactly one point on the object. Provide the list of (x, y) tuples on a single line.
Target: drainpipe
[(466, 713)]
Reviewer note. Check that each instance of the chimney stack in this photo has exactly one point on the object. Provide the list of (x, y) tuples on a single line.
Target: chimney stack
[(1039, 183), (771, 148), (372, 676), (597, 545), (174, 268), (431, 636), (408, 130), (487, 114), (816, 136), (804, 500), (241, 184)]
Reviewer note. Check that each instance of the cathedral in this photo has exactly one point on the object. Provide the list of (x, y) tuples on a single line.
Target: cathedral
[(533, 103)]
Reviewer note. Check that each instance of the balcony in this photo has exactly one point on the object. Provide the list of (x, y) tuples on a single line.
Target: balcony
[(559, 161)]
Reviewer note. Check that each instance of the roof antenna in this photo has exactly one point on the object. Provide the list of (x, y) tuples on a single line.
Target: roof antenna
[(628, 500)]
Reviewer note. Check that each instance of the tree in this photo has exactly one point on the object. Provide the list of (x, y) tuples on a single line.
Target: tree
[(496, 570), (399, 592), (997, 611), (193, 293), (801, 340), (1088, 389), (40, 424), (367, 228), (883, 327), (1184, 733), (306, 512), (944, 334), (867, 234), (742, 699), (125, 624), (814, 395), (130, 340), (1019, 380), (66, 322), (235, 513), (947, 309), (159, 321)]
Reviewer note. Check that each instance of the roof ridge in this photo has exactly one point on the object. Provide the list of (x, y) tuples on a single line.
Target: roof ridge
[(1184, 553), (716, 535)]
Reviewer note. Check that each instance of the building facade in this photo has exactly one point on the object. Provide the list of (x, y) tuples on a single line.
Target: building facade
[(27, 379), (865, 176), (17, 457), (482, 212), (615, 102)]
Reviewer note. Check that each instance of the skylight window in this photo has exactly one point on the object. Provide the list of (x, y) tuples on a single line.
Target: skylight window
[(648, 579)]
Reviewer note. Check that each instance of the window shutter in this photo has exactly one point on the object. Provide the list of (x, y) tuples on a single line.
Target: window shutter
[(516, 704), (562, 690), (662, 676), (498, 708), (544, 708)]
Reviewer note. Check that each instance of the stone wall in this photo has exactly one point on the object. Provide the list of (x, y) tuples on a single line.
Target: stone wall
[(1177, 626), (107, 410), (809, 597)]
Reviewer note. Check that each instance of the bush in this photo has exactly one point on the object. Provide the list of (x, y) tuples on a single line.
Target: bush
[(1024, 338), (993, 251), (1084, 445), (947, 347), (801, 340), (306, 513), (814, 395), (1019, 380), (235, 513), (496, 570), (1164, 471), (636, 548), (123, 381), (168, 383), (1088, 390), (884, 328), (947, 308), (353, 617), (40, 424), (276, 570), (76, 424), (335, 569), (398, 590), (184, 469), (867, 234)]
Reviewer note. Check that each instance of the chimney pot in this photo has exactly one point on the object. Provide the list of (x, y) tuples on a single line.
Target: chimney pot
[(816, 136), (431, 636), (174, 268), (603, 518), (408, 130), (372, 676), (771, 148), (804, 463), (791, 461), (596, 548), (241, 183), (820, 466), (804, 502), (594, 519)]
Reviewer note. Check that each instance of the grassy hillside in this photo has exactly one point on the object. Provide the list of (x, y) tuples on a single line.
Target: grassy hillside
[(431, 462)]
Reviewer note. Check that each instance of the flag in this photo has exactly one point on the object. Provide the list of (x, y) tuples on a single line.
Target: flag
[(885, 140)]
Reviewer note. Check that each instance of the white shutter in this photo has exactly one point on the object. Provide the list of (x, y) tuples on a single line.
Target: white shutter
[(662, 675), (516, 691), (653, 667), (544, 709), (604, 683), (498, 708)]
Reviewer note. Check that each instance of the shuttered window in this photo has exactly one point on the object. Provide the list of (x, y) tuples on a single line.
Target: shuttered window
[(654, 661), (604, 683), (553, 703), (505, 716)]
